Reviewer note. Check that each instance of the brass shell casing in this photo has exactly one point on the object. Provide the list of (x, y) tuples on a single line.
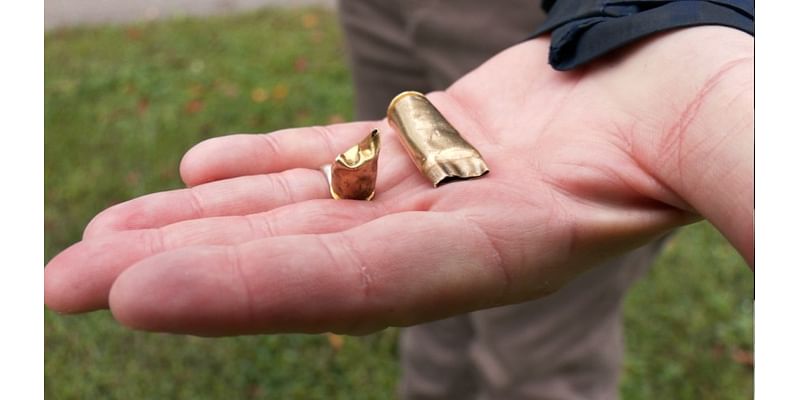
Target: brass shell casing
[(355, 171), (436, 147)]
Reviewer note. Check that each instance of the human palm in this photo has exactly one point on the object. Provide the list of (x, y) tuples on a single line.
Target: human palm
[(256, 244)]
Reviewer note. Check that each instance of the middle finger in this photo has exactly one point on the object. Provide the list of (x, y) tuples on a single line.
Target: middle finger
[(236, 196), (79, 278)]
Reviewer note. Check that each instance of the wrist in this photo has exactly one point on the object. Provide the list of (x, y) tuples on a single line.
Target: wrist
[(703, 149)]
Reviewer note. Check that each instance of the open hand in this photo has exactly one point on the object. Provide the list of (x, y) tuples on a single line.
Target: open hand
[(584, 165)]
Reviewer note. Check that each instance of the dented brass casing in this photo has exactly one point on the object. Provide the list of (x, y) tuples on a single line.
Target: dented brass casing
[(436, 147), (355, 171)]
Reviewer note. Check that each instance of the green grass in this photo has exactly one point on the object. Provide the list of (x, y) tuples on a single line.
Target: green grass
[(124, 103)]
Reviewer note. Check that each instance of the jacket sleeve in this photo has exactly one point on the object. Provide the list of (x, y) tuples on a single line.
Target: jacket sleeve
[(583, 30)]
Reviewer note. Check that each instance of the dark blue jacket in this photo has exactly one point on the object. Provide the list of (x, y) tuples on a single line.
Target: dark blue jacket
[(582, 30)]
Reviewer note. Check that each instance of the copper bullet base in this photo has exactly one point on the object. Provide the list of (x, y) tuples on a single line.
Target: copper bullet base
[(354, 172)]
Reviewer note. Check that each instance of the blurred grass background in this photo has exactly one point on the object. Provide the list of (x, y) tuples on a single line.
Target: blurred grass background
[(122, 104)]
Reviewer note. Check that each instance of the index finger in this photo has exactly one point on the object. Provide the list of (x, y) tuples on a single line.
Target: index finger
[(251, 154)]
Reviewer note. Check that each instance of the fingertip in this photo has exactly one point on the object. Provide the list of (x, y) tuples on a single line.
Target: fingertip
[(54, 289), (63, 288), (219, 158), (124, 305), (116, 218), (170, 292), (136, 293), (189, 166), (99, 224)]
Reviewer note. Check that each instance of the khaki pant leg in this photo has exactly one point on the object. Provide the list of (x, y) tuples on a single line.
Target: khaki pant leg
[(568, 345), (382, 58)]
